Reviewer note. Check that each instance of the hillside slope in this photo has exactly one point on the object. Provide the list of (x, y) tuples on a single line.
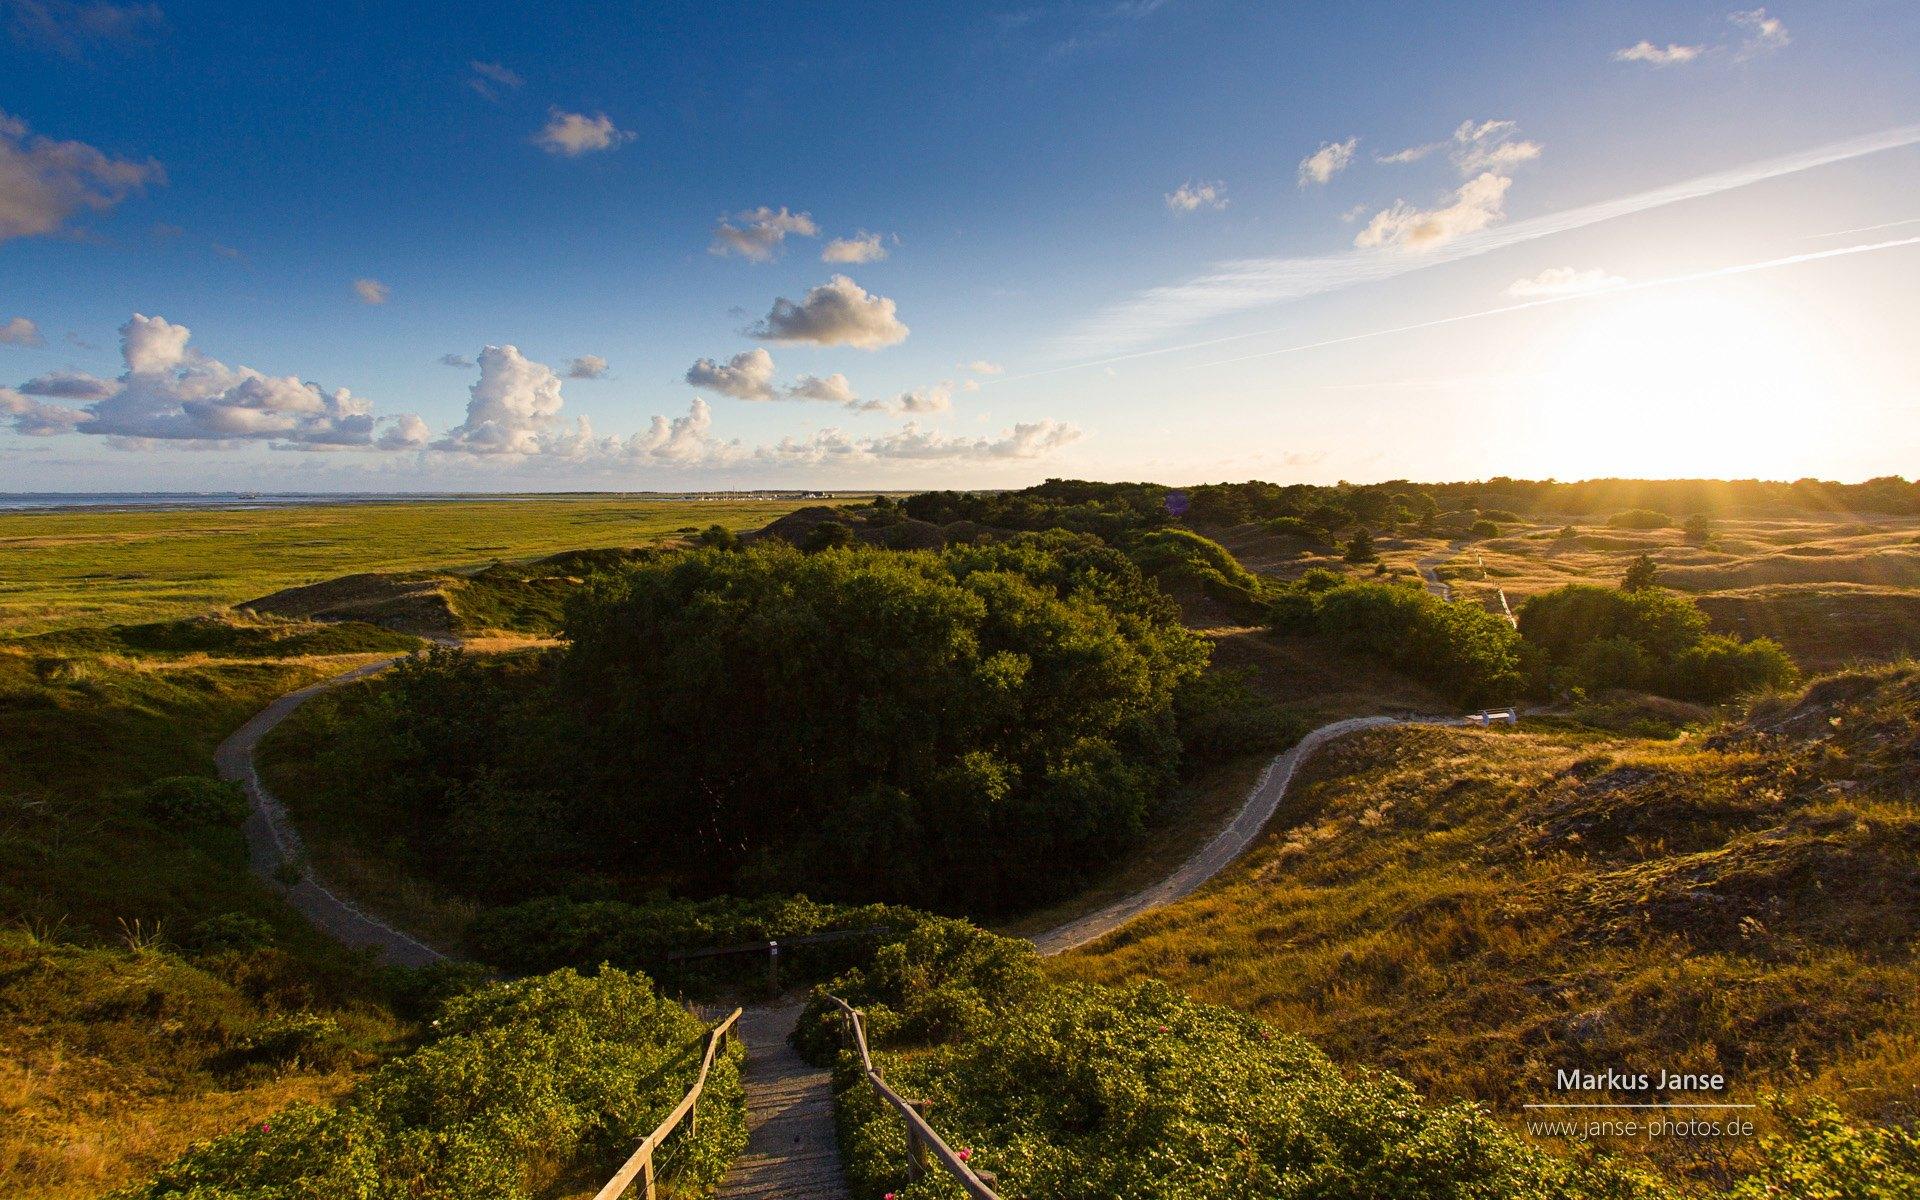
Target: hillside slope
[(1478, 909)]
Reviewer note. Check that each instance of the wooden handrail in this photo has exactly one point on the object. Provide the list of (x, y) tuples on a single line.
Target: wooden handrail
[(921, 1139), (639, 1164)]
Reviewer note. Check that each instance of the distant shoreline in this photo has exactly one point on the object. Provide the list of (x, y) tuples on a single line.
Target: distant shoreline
[(56, 502)]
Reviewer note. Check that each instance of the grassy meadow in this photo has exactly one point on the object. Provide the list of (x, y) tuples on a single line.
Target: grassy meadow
[(72, 568)]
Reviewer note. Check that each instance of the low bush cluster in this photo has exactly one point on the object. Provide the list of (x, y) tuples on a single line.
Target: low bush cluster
[(1457, 646), (1595, 639), (540, 935), (1137, 1093), (522, 1086)]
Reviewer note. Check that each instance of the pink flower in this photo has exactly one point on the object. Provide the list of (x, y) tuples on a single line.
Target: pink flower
[(963, 1155), (265, 1125), (1163, 1029), (889, 1196)]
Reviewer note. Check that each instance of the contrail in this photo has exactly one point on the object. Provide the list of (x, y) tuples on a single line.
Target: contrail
[(1598, 293), (1237, 285), (1864, 229), (1645, 285)]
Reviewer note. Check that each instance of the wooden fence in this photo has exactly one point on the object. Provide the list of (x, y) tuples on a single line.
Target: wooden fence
[(640, 1164), (922, 1142)]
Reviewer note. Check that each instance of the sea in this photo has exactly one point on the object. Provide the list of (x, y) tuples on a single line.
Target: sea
[(70, 501)]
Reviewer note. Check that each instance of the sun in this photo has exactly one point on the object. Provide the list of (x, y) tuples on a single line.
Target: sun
[(1711, 381)]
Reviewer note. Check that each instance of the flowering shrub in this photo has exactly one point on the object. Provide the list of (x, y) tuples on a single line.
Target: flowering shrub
[(520, 1085)]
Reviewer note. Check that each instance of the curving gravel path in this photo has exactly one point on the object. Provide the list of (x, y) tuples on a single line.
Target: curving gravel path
[(274, 849)]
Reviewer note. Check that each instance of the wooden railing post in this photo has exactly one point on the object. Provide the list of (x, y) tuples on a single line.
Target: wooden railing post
[(773, 968), (646, 1178), (916, 1145)]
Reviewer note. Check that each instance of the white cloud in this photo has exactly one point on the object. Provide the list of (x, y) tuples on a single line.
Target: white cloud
[(574, 134), (981, 366), (911, 443), (746, 376), (36, 418), (1475, 205), (44, 182), (20, 332), (1326, 162), (510, 409), (1190, 196), (1410, 154), (151, 345), (70, 385), (1764, 34), (863, 247), (834, 389), (371, 291), (404, 432), (1658, 56), (1489, 146), (1241, 284), (490, 76), (760, 232), (587, 366), (1563, 281), (1484, 152), (68, 27), (456, 360), (935, 399), (170, 393), (836, 313)]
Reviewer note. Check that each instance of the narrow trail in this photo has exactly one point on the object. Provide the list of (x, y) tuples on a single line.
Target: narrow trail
[(792, 1150)]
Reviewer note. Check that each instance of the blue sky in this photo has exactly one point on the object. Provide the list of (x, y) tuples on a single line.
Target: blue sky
[(339, 197)]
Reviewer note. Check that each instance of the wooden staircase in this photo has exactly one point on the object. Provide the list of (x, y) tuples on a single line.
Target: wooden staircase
[(792, 1152)]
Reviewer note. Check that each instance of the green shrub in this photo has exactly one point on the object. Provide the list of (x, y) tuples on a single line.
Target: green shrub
[(1595, 638), (230, 932), (1141, 1094), (1360, 547), (551, 932), (1180, 556), (521, 1085), (1719, 667), (1820, 1156), (1458, 646), (1640, 518), (1483, 529), (944, 981), (1295, 527), (1222, 714), (189, 802), (1500, 514)]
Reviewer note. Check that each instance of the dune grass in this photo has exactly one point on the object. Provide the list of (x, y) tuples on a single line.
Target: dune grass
[(66, 569), (1476, 909)]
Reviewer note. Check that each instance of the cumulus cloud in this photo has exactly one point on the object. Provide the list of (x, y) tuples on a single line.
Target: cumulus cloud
[(1763, 33), (1563, 281), (68, 28), (20, 332), (587, 366), (371, 291), (456, 360), (935, 399), (70, 385), (912, 443), (746, 376), (1191, 196), (1326, 162), (574, 134), (981, 366), (1658, 56), (489, 77), (862, 247), (1473, 206), (837, 313), (833, 388), (404, 432), (759, 233), (36, 418), (44, 182), (515, 402), (170, 393)]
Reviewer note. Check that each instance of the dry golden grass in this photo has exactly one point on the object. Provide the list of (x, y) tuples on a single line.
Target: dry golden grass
[(1476, 909)]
